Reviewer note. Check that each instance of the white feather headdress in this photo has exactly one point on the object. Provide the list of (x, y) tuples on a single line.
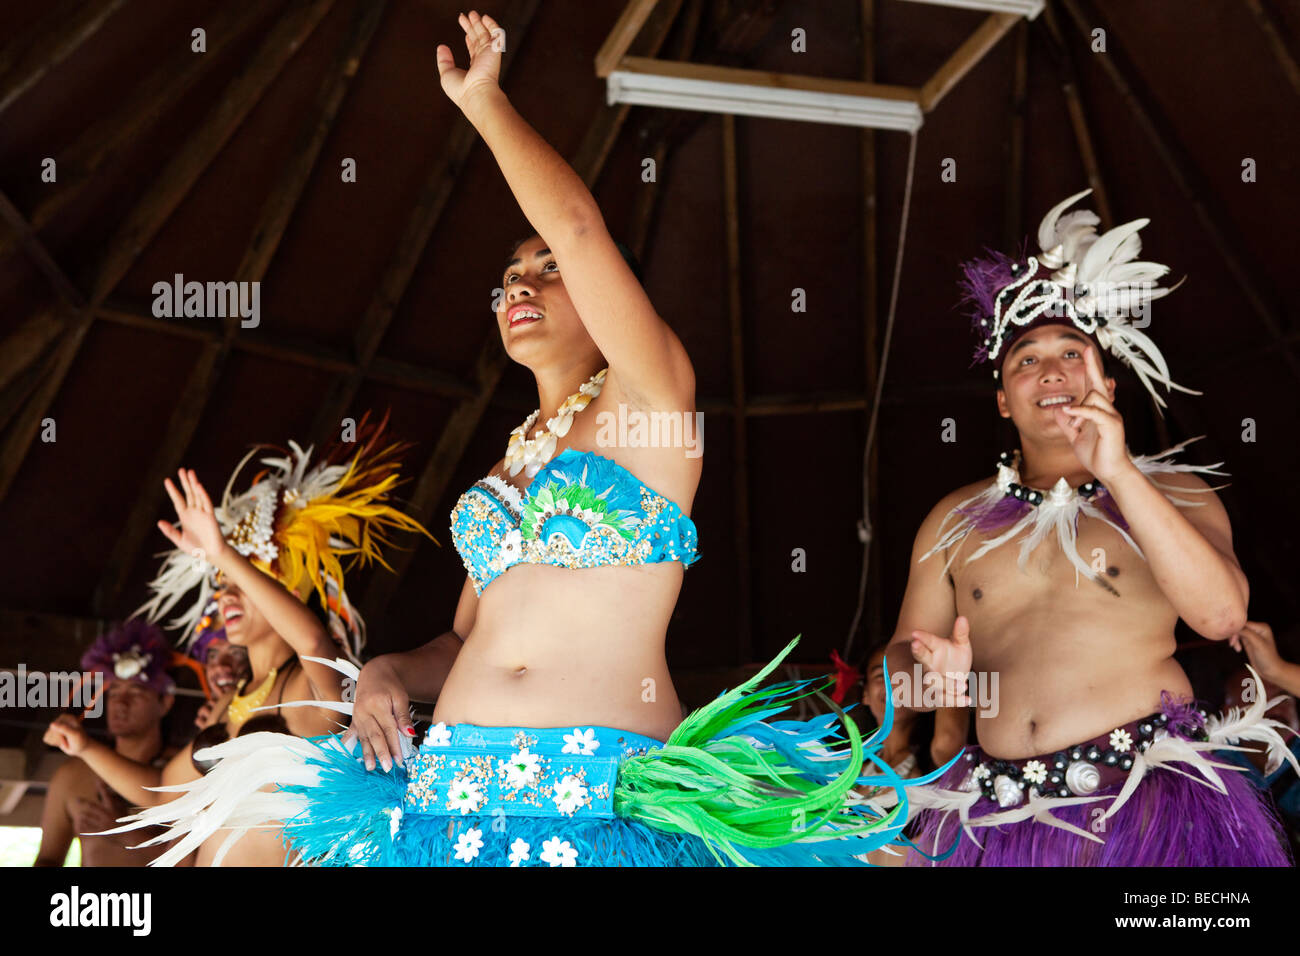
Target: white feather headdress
[(1094, 282), (297, 521)]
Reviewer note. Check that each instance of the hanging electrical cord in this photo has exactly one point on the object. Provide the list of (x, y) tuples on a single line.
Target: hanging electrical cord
[(865, 530)]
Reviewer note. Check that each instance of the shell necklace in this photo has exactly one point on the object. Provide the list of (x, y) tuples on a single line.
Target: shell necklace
[(530, 454)]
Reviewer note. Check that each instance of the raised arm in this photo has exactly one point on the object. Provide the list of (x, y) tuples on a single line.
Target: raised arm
[(644, 354), (286, 615), (1189, 550)]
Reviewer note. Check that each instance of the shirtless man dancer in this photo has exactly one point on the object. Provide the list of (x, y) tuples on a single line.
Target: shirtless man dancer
[(133, 659), (1078, 623)]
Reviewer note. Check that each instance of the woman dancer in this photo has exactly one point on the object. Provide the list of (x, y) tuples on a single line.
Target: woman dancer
[(553, 693)]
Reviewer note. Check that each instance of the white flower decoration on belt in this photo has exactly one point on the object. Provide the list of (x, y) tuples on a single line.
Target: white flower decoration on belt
[(1121, 741), (437, 736), (1035, 771), (522, 769), (570, 794), (581, 742), (464, 795)]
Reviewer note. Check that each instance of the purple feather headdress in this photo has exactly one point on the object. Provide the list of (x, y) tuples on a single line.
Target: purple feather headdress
[(981, 282), (135, 651)]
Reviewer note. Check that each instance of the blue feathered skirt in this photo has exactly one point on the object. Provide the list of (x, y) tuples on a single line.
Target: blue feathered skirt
[(732, 785)]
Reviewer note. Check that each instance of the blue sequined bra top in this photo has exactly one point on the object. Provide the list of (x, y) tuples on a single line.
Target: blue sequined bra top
[(581, 510)]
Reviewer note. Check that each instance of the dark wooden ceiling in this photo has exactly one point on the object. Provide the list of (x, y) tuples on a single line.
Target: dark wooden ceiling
[(376, 293)]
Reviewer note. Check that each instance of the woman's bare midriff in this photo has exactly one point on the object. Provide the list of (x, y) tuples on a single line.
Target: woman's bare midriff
[(556, 647)]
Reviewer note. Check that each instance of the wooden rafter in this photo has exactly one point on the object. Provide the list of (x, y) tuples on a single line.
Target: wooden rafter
[(165, 193), (34, 52), (1273, 33), (626, 30), (489, 367), (22, 232), (410, 244), (104, 137), (267, 233), (1182, 170), (964, 59)]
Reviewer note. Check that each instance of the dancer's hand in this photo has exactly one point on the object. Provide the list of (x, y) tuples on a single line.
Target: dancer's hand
[(95, 816), (200, 534), (485, 40), (1094, 428), (949, 658), (1261, 648), (380, 715), (66, 733)]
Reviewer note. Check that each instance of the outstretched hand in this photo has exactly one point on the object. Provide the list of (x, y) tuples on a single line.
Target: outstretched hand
[(485, 40), (199, 533), (1093, 426), (949, 658), (66, 733)]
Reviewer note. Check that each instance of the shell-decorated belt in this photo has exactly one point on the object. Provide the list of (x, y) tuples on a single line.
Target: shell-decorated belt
[(518, 771), (1078, 771)]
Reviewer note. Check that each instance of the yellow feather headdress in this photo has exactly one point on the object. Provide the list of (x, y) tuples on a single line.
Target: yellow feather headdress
[(298, 522)]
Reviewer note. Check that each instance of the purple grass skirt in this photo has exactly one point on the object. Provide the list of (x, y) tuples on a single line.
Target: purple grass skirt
[(1169, 820)]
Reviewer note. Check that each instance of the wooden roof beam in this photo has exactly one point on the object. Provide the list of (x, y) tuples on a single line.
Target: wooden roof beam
[(35, 51), (157, 204), (1190, 183), (139, 111), (963, 61), (429, 206), (201, 384)]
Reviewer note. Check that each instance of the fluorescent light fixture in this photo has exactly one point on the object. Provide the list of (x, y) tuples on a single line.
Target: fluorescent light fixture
[(1025, 8), (709, 96)]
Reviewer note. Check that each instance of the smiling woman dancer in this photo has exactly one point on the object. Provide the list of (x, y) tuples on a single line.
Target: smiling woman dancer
[(554, 699)]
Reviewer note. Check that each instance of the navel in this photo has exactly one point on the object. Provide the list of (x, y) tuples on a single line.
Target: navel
[(1113, 571), (519, 671), (977, 594)]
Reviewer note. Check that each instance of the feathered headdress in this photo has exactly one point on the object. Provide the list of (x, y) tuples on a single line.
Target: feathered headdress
[(135, 651), (1080, 278), (297, 521)]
